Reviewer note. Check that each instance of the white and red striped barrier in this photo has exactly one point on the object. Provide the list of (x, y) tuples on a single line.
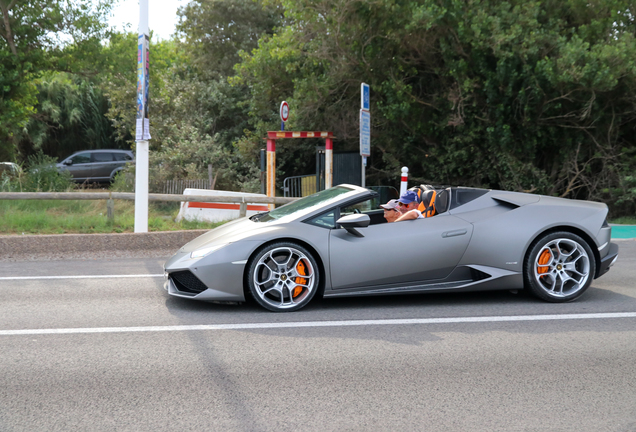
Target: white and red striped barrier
[(217, 212), (404, 179)]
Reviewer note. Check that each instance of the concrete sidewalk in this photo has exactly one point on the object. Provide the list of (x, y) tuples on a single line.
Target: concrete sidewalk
[(93, 246)]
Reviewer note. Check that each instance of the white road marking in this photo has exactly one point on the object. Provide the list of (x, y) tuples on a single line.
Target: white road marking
[(80, 277), (259, 326)]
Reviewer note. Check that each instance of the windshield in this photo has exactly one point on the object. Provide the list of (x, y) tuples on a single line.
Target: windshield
[(305, 205)]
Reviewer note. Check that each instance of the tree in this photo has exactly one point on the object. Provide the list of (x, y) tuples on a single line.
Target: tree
[(33, 34), (195, 114), (70, 117), (534, 96)]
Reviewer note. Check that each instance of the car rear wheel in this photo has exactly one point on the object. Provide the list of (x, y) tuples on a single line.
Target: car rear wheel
[(559, 267), (283, 277)]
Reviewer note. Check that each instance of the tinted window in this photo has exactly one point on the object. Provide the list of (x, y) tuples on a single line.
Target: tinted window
[(81, 158), (463, 196), (102, 157), (361, 207), (325, 220), (122, 157)]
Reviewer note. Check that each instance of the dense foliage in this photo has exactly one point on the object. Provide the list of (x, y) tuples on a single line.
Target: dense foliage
[(533, 96), (38, 36)]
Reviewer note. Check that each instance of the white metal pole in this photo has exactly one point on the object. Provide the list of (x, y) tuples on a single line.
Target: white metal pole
[(141, 187), (142, 147)]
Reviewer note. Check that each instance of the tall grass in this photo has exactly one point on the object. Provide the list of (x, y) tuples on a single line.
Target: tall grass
[(625, 220), (74, 216)]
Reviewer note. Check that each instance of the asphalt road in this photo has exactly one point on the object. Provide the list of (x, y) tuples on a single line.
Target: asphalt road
[(115, 353)]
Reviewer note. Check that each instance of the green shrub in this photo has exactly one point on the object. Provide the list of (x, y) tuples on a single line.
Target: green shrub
[(41, 175)]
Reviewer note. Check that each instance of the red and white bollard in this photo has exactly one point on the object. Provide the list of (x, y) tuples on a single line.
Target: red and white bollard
[(405, 179)]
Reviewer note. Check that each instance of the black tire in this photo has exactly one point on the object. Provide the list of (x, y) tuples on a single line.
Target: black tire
[(283, 277), (559, 268)]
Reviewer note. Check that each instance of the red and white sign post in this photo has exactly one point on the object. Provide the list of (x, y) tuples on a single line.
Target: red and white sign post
[(284, 114)]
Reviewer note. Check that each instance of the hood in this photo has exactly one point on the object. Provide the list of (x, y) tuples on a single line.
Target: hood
[(226, 233)]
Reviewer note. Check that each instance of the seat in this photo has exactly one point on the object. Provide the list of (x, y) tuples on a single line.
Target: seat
[(442, 201), (427, 202), (432, 201)]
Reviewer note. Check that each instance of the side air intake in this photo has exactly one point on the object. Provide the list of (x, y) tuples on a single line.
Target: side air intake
[(188, 283)]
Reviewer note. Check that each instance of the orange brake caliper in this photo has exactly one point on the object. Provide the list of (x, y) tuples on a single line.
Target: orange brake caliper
[(300, 268), (544, 259)]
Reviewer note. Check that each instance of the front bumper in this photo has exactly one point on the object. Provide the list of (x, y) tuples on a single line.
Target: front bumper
[(208, 294), (215, 277), (608, 260)]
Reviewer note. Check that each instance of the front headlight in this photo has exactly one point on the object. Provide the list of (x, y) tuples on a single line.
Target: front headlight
[(206, 250)]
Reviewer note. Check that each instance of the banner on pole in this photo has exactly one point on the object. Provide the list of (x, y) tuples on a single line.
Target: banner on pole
[(143, 86)]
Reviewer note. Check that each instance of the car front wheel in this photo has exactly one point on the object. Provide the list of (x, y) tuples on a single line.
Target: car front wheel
[(559, 267), (283, 277)]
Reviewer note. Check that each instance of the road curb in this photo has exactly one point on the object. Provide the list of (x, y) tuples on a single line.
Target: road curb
[(64, 246)]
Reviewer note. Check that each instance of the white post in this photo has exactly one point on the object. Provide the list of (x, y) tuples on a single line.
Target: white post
[(404, 182), (142, 134), (141, 187)]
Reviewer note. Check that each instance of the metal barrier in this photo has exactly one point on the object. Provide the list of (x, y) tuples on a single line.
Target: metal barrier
[(299, 186), (178, 186)]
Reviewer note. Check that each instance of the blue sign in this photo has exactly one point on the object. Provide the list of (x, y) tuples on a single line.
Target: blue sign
[(365, 133), (365, 96)]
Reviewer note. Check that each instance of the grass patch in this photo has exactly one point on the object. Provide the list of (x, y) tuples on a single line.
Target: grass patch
[(625, 220), (84, 217)]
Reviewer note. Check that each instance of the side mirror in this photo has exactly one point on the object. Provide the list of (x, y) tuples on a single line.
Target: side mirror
[(351, 222), (68, 162)]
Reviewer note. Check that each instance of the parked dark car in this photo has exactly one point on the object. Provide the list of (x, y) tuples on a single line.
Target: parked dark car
[(96, 165)]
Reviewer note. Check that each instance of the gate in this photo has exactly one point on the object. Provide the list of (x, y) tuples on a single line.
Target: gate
[(347, 168)]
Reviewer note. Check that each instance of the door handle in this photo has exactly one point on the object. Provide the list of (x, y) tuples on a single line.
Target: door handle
[(454, 233)]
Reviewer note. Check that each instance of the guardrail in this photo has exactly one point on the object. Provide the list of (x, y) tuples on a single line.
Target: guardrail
[(151, 197)]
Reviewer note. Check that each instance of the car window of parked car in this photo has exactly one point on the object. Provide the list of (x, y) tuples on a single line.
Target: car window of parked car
[(122, 157), (102, 157), (81, 158)]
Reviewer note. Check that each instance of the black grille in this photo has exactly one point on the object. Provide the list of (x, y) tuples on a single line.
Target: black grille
[(185, 281)]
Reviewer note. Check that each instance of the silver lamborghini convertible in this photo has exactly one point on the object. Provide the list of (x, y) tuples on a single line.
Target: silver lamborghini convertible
[(337, 243)]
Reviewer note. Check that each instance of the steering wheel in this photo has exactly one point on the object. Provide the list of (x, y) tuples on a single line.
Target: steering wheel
[(356, 211)]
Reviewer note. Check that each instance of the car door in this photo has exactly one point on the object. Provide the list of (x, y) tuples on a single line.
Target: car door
[(103, 164), (401, 253), (79, 166)]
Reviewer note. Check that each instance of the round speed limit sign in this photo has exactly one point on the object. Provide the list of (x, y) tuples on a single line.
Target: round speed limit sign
[(284, 111)]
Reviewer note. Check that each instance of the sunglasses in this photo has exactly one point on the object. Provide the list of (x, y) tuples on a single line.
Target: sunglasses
[(401, 204)]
